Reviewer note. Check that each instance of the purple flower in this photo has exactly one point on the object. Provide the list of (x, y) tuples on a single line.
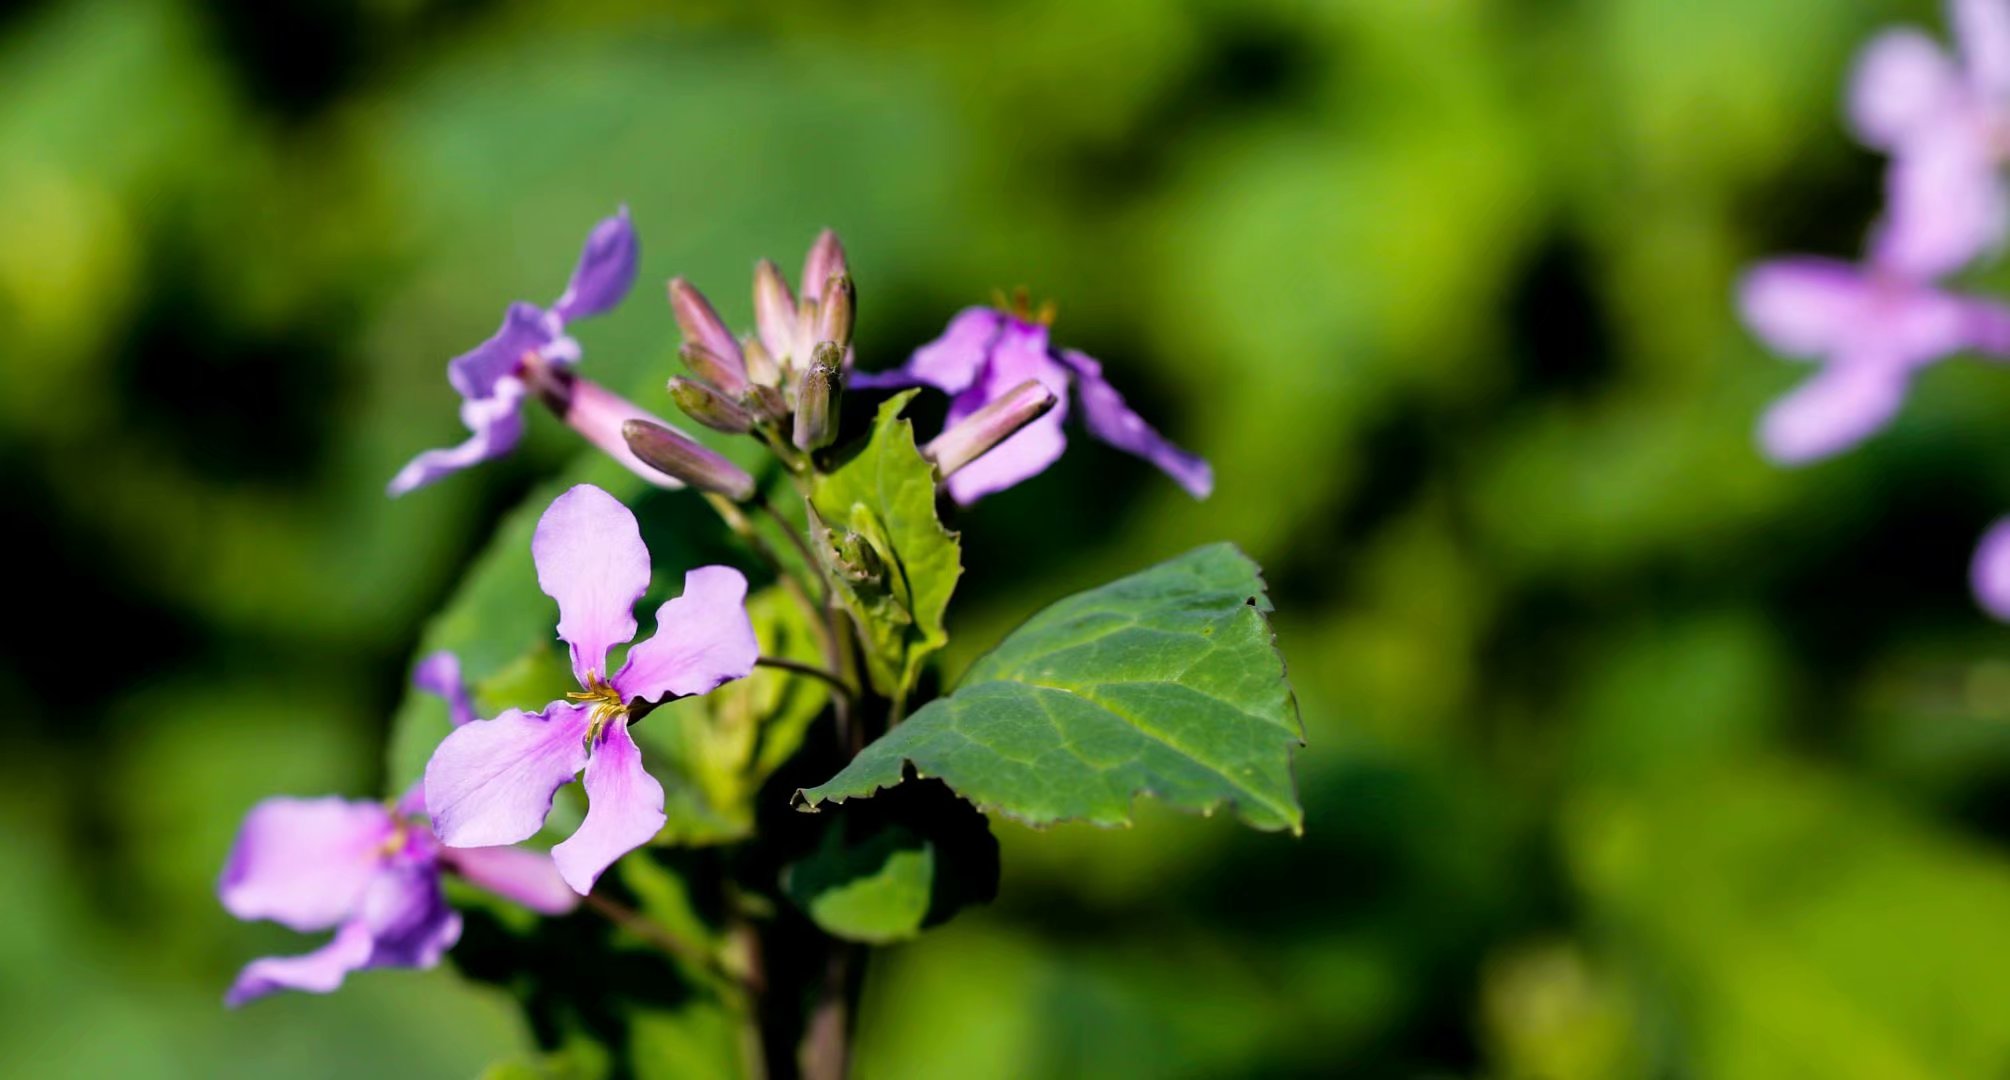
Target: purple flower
[(1944, 120), (492, 781), (1989, 574), (1871, 329), (531, 354), (986, 353), (371, 873)]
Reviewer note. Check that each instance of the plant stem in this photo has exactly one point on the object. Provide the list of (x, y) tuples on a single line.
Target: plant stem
[(811, 670), (826, 1049), (657, 934)]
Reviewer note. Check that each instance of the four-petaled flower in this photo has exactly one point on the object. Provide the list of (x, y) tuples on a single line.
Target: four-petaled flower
[(531, 354), (371, 873), (1945, 121), (1871, 329), (492, 781), (985, 353)]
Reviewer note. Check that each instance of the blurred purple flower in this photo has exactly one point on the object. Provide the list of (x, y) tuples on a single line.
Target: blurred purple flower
[(370, 872), (1989, 574), (985, 353), (1945, 121), (492, 781), (1871, 329), (531, 354)]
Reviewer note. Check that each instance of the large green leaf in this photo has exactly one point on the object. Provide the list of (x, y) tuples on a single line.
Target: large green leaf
[(1164, 683), (883, 499)]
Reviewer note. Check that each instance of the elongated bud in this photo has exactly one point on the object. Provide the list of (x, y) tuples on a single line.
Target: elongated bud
[(774, 309), (710, 408), (818, 397), (977, 433), (835, 313), (679, 456), (768, 403), (826, 260), (702, 325), (762, 370), (728, 379)]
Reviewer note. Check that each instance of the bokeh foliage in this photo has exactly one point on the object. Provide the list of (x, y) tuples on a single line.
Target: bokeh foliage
[(1630, 756)]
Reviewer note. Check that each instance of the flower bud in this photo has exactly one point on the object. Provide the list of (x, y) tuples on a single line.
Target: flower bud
[(709, 367), (710, 408), (826, 260), (835, 311), (977, 433), (817, 398), (679, 456), (702, 326), (767, 402), (762, 369), (774, 309)]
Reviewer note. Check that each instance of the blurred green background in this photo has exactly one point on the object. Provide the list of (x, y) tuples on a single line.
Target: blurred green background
[(1630, 756)]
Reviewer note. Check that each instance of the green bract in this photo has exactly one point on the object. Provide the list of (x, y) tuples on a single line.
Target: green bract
[(1164, 683)]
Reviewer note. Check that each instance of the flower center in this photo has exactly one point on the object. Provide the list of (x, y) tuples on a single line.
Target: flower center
[(1021, 307), (607, 703)]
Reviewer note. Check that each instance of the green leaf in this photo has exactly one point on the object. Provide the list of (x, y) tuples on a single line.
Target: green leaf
[(1164, 683), (885, 494), (886, 870)]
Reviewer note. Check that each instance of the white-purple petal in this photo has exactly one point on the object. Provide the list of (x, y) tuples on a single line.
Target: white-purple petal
[(305, 863), (1982, 29), (1833, 410), (1989, 573), (496, 423), (950, 363), (605, 271), (492, 782), (525, 329), (528, 877), (1108, 418), (439, 674), (591, 559), (703, 638), (316, 972), (1903, 82), (624, 810)]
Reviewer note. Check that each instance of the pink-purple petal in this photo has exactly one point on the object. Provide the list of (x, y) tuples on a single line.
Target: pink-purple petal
[(1982, 29), (1802, 307), (1944, 205), (1832, 410), (624, 810), (305, 863), (492, 782), (439, 674), (950, 363), (316, 972), (703, 638), (525, 329), (496, 423), (1989, 573), (1903, 81), (591, 559), (1108, 418), (605, 271), (528, 877), (407, 914)]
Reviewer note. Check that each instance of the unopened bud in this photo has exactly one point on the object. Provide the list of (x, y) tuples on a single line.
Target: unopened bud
[(768, 402), (709, 407), (826, 260), (818, 398), (774, 309), (762, 370), (729, 379), (702, 326), (977, 433), (835, 311), (679, 456), (853, 556)]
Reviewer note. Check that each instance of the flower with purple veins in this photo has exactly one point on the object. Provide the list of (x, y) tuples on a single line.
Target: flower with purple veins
[(531, 354), (1871, 329), (987, 352), (370, 872), (1945, 121), (492, 781)]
